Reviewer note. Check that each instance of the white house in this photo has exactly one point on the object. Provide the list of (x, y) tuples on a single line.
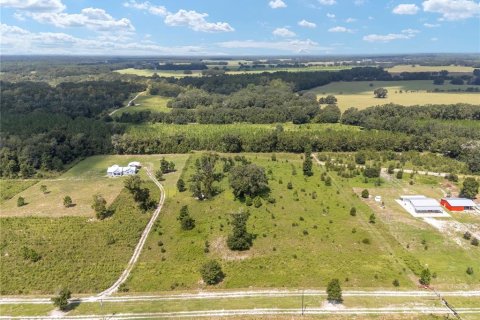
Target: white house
[(117, 171)]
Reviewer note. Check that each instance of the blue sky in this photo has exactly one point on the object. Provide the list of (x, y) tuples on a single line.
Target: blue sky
[(238, 27)]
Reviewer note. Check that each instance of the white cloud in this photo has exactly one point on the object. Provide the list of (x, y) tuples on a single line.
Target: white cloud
[(53, 12), (339, 29), (16, 40), (276, 4), (327, 2), (452, 10), (331, 15), (306, 24), (34, 5), (431, 25), (283, 32), (196, 21), (146, 6), (405, 34), (359, 2), (405, 8), (296, 46), (91, 18), (350, 20), (433, 39)]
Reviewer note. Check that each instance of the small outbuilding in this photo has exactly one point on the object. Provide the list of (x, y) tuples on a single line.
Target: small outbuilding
[(458, 204)]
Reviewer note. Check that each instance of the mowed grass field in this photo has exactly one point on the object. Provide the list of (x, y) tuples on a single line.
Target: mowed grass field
[(79, 251), (147, 103), (359, 94), (300, 241), (417, 68)]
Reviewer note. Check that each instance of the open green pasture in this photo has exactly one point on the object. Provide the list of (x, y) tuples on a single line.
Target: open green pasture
[(359, 94), (300, 241), (79, 252), (417, 68), (81, 183), (147, 103), (161, 73), (85, 255)]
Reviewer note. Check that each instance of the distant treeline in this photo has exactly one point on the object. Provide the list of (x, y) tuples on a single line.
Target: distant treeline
[(226, 84), (181, 66)]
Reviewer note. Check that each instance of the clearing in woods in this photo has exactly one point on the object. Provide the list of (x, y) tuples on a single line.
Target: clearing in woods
[(147, 103), (359, 94)]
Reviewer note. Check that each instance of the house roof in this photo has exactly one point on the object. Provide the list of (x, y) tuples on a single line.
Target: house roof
[(460, 202), (424, 202)]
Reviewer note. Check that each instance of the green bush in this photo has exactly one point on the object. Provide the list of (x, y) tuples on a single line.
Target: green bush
[(21, 202), (212, 272), (365, 194), (334, 291), (61, 300)]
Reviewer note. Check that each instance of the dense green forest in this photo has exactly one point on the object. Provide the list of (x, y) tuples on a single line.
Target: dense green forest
[(45, 127)]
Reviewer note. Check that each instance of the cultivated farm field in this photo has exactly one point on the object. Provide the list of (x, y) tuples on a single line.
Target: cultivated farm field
[(359, 94)]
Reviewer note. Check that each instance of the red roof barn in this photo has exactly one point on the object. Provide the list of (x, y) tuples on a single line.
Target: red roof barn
[(458, 204)]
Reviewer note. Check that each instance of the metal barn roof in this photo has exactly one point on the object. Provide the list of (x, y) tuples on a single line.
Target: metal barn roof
[(424, 202), (460, 202)]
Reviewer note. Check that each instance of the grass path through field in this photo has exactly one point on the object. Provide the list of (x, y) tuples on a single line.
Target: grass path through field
[(141, 242)]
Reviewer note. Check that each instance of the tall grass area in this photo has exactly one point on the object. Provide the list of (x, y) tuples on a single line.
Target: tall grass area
[(84, 255), (10, 188), (303, 239)]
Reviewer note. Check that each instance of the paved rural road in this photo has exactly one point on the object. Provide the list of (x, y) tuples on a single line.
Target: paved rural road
[(140, 244), (129, 102)]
